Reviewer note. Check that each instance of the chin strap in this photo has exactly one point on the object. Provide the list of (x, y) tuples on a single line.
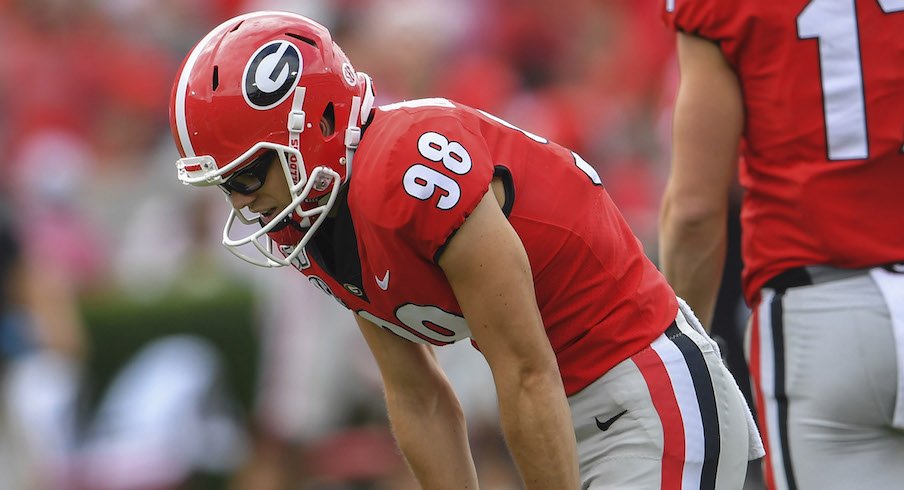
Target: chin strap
[(296, 121), (360, 113), (352, 136)]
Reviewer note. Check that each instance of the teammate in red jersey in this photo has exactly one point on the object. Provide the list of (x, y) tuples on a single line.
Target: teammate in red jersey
[(435, 222), (811, 92)]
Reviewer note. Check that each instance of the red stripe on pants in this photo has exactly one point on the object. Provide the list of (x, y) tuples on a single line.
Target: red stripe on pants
[(756, 374), (663, 396)]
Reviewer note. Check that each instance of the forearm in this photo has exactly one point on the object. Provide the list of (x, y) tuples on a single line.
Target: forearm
[(536, 421), (692, 256), (432, 435), (707, 127), (427, 419)]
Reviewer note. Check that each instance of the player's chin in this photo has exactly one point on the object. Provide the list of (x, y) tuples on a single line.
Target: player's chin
[(267, 216)]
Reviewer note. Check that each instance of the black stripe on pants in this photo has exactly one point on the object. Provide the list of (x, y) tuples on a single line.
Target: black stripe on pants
[(706, 400), (781, 396)]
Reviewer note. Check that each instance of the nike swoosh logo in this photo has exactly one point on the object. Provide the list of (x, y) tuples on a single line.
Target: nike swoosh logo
[(383, 283), (604, 426)]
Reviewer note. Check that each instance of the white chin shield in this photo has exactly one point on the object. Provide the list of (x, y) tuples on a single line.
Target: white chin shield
[(242, 231), (270, 254)]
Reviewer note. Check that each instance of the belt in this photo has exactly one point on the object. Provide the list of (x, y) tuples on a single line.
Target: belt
[(819, 274)]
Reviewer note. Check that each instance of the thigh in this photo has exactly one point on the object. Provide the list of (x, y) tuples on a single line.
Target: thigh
[(824, 366), (668, 417)]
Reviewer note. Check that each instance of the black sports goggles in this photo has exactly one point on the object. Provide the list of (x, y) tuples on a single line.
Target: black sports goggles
[(251, 178)]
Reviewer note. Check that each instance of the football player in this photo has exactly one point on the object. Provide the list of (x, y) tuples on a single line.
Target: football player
[(811, 92), (434, 222)]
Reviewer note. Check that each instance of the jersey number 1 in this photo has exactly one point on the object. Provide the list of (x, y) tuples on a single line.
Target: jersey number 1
[(834, 24)]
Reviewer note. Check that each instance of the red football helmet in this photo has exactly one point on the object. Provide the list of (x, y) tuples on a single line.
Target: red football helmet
[(262, 81)]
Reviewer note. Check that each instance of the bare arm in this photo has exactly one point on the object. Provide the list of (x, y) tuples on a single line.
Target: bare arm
[(708, 121), (489, 272), (427, 419)]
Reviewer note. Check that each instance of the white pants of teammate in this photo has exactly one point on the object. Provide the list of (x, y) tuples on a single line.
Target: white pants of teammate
[(828, 382), (669, 417)]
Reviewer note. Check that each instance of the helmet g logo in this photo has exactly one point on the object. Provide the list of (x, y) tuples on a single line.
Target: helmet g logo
[(271, 74)]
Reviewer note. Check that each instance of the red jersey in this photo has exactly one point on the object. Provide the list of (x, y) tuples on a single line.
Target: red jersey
[(822, 163), (420, 170)]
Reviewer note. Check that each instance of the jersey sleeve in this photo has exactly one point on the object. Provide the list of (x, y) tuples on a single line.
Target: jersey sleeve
[(720, 21), (424, 177)]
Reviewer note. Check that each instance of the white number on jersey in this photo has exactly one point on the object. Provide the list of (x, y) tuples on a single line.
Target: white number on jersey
[(422, 182), (423, 324), (834, 24), (437, 148)]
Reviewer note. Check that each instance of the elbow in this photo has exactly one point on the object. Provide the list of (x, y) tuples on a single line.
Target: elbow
[(540, 377), (437, 400), (689, 214)]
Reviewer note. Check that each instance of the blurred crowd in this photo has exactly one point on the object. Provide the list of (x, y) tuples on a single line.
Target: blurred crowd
[(92, 200)]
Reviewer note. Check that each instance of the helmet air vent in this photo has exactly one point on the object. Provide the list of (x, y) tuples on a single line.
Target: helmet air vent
[(303, 39), (328, 121), (216, 77)]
